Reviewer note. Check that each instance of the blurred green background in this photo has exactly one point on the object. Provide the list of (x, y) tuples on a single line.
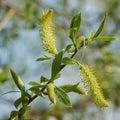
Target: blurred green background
[(20, 45)]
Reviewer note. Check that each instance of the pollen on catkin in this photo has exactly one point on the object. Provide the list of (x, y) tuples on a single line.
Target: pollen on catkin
[(90, 80), (47, 33)]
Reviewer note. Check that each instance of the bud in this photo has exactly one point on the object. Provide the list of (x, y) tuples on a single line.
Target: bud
[(17, 80), (51, 92)]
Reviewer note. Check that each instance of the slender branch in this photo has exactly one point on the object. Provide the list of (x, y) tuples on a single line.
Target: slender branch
[(72, 56), (62, 66), (16, 8), (78, 105), (5, 20)]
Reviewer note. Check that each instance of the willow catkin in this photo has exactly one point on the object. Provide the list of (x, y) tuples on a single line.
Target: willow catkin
[(94, 87), (47, 32)]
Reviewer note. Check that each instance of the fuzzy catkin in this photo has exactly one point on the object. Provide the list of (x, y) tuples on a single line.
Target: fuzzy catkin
[(94, 87), (47, 32)]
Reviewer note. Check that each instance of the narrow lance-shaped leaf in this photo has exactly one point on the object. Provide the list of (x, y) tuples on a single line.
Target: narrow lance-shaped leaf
[(74, 27), (13, 114), (56, 64), (44, 57), (56, 77), (34, 83), (68, 47), (100, 27), (105, 38), (18, 102), (62, 96), (68, 61), (43, 79), (73, 88)]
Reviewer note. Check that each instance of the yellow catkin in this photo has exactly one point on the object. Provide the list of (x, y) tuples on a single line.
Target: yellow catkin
[(94, 87), (47, 32)]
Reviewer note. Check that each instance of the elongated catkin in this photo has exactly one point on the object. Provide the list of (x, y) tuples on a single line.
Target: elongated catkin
[(90, 80), (47, 32)]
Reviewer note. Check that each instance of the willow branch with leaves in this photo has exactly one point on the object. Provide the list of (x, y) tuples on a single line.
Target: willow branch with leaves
[(46, 85)]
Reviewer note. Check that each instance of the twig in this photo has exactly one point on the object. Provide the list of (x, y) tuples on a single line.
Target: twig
[(5, 20), (62, 66)]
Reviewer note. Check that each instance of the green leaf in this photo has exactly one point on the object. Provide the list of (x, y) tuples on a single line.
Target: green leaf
[(90, 38), (62, 96), (33, 83), (13, 114), (100, 27), (68, 61), (91, 34), (44, 57), (104, 38), (80, 40), (36, 90), (24, 97), (18, 102), (43, 79), (74, 27), (56, 64), (69, 87), (68, 47), (73, 88), (56, 77)]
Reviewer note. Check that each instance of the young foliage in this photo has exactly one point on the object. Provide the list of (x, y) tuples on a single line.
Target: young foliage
[(43, 79), (18, 102), (13, 114), (44, 57), (33, 83), (62, 96), (79, 41), (56, 64), (68, 61), (24, 97), (73, 88), (100, 27), (74, 27), (104, 38)]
